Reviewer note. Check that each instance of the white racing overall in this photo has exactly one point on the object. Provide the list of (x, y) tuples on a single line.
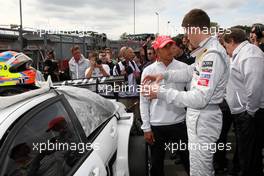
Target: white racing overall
[(208, 77)]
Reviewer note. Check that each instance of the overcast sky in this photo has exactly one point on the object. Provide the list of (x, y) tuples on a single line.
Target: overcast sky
[(115, 17)]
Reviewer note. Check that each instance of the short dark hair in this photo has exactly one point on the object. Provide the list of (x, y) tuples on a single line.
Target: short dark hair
[(196, 18), (236, 34), (75, 48), (152, 49), (108, 49), (51, 52), (94, 54), (178, 42), (258, 30)]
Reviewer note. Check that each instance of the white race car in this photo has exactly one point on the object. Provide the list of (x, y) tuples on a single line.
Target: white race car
[(67, 131)]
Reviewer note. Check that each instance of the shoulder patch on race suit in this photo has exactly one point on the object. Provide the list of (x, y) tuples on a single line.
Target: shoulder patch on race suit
[(207, 64), (203, 82), (207, 70), (205, 75)]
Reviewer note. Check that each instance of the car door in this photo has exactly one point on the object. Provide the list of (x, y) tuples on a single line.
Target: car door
[(99, 123), (47, 141)]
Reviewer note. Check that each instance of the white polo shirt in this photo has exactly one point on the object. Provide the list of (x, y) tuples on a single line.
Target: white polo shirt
[(77, 70), (157, 112)]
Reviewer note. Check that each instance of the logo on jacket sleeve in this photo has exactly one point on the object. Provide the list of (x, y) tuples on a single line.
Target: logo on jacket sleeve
[(203, 82), (207, 64)]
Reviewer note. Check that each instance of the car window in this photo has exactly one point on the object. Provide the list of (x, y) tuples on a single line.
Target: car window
[(91, 109), (44, 145)]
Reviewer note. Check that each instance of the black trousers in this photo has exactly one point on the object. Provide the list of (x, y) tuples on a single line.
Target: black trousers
[(220, 159), (220, 155), (165, 137), (249, 140), (260, 126)]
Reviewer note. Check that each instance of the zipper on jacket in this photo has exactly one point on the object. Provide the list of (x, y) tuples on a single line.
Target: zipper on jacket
[(239, 101)]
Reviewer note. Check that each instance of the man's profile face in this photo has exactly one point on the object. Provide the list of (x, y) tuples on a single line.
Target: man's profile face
[(108, 55), (50, 56), (90, 55), (129, 54), (102, 57), (193, 40), (253, 36), (193, 35), (151, 55), (176, 51), (166, 53), (185, 40), (76, 54), (229, 48)]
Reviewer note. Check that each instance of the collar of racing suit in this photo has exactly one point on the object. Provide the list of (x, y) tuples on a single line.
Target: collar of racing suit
[(201, 49), (238, 48)]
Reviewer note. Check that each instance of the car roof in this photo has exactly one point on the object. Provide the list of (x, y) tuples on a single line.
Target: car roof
[(10, 114), (12, 107), (17, 105)]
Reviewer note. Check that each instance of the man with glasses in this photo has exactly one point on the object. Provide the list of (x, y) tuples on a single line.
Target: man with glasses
[(208, 78), (151, 57)]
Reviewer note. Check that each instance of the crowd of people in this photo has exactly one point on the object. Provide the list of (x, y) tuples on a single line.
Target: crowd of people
[(195, 86), (128, 63), (223, 86)]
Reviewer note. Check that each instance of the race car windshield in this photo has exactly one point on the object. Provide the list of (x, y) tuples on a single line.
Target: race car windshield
[(91, 109)]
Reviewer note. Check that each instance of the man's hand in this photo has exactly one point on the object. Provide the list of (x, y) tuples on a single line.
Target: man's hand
[(46, 68), (99, 66), (123, 72), (149, 137), (152, 78), (93, 64), (136, 74), (150, 91)]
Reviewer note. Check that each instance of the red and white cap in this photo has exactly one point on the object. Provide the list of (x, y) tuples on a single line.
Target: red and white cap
[(161, 41)]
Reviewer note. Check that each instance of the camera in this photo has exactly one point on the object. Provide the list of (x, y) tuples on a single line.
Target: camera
[(98, 61), (128, 68)]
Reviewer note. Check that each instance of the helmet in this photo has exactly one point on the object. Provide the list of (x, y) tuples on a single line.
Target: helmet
[(15, 69)]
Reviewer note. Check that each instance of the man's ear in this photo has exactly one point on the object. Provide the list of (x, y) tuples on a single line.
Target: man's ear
[(232, 43), (157, 51)]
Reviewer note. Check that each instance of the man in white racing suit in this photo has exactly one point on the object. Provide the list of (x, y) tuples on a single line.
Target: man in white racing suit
[(208, 77)]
